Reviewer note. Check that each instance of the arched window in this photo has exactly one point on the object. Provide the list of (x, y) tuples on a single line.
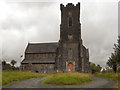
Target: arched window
[(70, 21)]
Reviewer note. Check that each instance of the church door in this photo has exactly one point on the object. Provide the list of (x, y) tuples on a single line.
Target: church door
[(70, 67)]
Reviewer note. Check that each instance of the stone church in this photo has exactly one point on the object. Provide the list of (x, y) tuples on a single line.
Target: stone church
[(69, 54)]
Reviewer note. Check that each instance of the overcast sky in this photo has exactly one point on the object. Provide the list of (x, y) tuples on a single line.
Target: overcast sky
[(23, 22)]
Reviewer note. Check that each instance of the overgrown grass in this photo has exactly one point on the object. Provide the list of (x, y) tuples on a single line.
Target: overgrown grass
[(9, 76), (111, 76), (118, 85), (0, 79), (67, 79)]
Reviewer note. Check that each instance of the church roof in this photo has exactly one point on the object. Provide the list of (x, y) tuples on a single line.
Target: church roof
[(41, 48), (42, 60)]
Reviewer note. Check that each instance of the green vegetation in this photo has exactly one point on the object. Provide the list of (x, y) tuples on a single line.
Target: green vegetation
[(9, 76), (9, 67), (111, 76), (114, 59), (67, 79), (0, 80), (13, 62), (107, 70), (118, 85), (95, 68)]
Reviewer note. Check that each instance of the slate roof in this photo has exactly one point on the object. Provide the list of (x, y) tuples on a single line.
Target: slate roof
[(41, 47), (42, 60)]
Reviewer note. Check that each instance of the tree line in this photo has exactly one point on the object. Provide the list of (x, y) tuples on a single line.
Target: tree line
[(11, 66)]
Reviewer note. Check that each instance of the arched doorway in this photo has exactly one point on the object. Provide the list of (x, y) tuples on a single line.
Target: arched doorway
[(70, 67)]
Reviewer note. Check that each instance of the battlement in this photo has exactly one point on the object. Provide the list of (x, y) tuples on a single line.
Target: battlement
[(70, 5)]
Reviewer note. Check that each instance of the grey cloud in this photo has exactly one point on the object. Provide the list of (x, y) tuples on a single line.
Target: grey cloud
[(99, 29), (40, 22), (119, 17)]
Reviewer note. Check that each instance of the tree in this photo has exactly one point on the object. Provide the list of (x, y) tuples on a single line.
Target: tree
[(98, 68), (13, 62), (112, 62), (114, 59), (95, 68), (3, 62), (118, 50)]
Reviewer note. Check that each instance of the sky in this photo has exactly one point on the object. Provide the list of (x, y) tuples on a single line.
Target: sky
[(23, 22)]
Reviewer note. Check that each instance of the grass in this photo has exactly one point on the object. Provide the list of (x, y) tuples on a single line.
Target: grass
[(67, 79), (111, 76), (10, 76), (118, 85), (0, 79)]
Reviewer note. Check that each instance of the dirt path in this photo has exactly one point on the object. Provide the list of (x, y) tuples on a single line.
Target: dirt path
[(36, 83)]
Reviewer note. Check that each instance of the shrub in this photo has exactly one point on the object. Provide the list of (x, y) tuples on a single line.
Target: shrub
[(67, 79)]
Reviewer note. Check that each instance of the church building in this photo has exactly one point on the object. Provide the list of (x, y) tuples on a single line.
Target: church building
[(69, 54)]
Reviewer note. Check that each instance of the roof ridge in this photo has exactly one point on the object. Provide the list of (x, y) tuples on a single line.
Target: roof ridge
[(45, 43)]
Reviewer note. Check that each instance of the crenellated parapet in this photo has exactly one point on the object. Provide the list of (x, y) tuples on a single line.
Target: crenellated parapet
[(70, 5)]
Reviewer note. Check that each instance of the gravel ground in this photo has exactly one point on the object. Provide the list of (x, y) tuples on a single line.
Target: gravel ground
[(36, 83)]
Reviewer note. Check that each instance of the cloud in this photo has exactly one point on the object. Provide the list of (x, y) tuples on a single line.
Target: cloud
[(119, 18), (99, 29), (27, 22), (21, 23)]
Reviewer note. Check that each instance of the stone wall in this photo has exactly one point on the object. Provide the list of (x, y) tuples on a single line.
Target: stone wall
[(85, 53), (39, 62), (40, 68)]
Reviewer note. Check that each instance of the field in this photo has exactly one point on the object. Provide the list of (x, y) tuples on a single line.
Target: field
[(9, 76), (67, 79), (57, 78)]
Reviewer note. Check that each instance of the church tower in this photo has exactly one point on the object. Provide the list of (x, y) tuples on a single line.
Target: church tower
[(70, 43), (70, 23)]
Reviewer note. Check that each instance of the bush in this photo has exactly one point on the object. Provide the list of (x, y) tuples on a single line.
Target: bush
[(67, 79)]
